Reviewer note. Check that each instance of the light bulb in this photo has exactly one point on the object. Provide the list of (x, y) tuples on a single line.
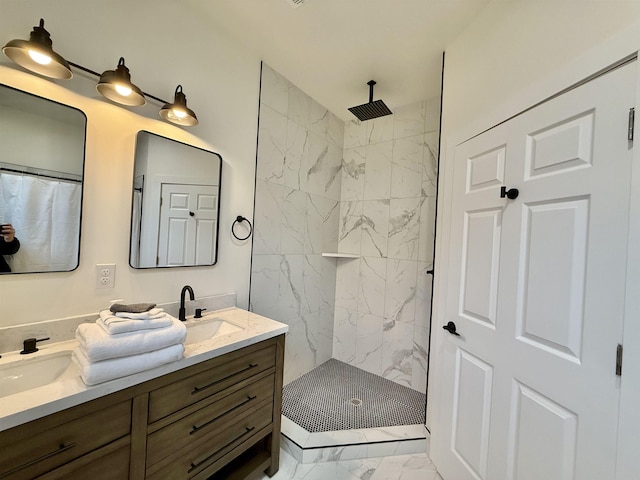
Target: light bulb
[(178, 113), (123, 90), (40, 58)]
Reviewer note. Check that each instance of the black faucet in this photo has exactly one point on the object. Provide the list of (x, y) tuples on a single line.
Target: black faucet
[(29, 345), (181, 313)]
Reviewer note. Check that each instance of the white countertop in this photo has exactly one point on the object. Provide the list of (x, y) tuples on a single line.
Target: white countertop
[(70, 390)]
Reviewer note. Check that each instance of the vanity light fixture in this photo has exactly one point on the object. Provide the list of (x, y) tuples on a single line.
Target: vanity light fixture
[(178, 112), (37, 55), (116, 86)]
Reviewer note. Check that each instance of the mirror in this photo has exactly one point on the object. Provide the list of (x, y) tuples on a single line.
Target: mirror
[(41, 172), (175, 203)]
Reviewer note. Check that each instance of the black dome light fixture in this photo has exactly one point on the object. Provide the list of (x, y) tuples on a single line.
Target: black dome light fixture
[(37, 55), (116, 86), (178, 112)]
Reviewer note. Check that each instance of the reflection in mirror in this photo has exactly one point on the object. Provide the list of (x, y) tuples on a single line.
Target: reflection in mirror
[(176, 197), (41, 169)]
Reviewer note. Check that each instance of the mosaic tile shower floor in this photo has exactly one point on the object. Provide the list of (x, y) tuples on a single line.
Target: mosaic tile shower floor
[(338, 396)]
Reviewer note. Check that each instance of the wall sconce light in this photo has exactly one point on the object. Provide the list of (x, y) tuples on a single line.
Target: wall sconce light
[(37, 56), (116, 86), (178, 112)]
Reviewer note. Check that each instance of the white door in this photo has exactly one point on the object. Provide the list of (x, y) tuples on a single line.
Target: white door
[(536, 292), (188, 216)]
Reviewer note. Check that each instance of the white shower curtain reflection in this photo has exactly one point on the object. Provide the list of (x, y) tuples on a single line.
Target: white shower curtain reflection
[(46, 216)]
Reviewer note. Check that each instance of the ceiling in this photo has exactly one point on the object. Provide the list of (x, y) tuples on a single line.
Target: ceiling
[(330, 49)]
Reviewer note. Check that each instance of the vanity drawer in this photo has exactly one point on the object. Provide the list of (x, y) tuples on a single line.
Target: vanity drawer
[(197, 457), (222, 374), (30, 456), (208, 419), (106, 463)]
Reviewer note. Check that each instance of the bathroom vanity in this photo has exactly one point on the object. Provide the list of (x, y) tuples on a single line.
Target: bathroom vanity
[(215, 416)]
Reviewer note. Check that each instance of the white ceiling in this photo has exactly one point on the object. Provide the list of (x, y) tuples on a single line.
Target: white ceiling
[(331, 48)]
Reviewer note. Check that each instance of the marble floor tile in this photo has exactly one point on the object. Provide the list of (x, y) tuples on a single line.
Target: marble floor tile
[(398, 467)]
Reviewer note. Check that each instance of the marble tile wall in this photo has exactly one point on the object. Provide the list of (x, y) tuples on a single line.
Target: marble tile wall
[(298, 186), (366, 188), (387, 216)]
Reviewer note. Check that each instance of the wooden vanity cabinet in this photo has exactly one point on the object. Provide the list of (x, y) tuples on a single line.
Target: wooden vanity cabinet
[(219, 419)]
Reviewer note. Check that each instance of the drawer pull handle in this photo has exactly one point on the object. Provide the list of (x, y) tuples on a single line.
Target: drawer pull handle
[(62, 448), (197, 428), (200, 389), (196, 464)]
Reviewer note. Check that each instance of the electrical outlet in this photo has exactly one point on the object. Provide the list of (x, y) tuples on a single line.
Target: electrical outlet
[(105, 275)]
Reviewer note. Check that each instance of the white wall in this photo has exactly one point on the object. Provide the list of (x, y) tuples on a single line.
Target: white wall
[(36, 141), (513, 46), (164, 44)]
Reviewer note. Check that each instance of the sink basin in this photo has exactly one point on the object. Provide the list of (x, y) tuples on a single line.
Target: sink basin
[(202, 330), (27, 373)]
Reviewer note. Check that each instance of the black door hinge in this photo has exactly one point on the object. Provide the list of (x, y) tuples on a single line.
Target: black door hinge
[(619, 361), (632, 116)]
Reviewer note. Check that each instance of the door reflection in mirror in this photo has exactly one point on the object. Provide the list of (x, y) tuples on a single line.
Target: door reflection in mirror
[(175, 203), (41, 171)]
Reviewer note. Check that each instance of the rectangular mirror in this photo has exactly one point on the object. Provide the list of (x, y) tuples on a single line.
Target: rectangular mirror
[(42, 145), (176, 199)]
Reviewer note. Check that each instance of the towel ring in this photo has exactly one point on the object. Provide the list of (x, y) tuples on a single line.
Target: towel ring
[(240, 219)]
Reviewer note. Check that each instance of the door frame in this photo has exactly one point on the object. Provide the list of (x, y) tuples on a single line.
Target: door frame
[(624, 45)]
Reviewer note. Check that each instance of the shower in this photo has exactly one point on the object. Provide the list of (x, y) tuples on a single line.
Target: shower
[(370, 110), (342, 252)]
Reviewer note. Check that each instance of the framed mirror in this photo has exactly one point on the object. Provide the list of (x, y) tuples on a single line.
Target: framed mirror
[(42, 145), (175, 204)]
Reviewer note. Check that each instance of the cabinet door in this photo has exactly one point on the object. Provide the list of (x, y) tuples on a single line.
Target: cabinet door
[(537, 291)]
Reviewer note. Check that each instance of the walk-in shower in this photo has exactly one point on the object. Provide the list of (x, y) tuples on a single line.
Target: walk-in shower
[(342, 253)]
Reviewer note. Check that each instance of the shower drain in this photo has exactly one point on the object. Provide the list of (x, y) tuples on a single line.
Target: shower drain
[(356, 402)]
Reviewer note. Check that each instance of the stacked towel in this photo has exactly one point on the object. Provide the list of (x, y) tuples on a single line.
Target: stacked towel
[(153, 313), (125, 343), (118, 324), (98, 372)]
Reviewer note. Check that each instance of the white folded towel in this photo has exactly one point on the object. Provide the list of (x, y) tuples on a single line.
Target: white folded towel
[(153, 313), (98, 372), (112, 324), (98, 345)]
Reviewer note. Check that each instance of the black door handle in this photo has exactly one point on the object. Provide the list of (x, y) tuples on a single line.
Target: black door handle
[(451, 328), (511, 194), (192, 214)]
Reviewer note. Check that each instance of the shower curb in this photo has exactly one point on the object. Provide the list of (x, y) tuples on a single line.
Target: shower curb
[(316, 447)]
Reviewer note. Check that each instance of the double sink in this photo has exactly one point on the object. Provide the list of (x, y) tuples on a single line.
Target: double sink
[(19, 373)]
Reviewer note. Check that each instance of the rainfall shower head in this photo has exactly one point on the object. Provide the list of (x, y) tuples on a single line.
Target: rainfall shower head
[(371, 110)]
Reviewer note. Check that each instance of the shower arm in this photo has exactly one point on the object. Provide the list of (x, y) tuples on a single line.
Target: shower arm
[(371, 83)]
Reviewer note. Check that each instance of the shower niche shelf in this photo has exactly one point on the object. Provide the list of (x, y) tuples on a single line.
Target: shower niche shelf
[(340, 255)]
